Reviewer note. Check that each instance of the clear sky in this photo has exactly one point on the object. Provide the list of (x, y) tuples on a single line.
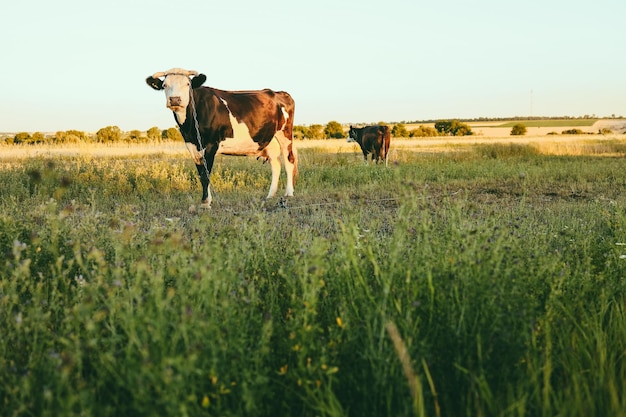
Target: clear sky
[(76, 64)]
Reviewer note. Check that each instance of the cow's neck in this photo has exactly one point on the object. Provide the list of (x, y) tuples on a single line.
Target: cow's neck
[(180, 116)]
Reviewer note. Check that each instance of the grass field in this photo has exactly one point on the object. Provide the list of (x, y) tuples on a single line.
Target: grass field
[(552, 123), (540, 128), (469, 278)]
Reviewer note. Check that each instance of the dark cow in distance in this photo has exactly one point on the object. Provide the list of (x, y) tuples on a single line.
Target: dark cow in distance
[(372, 139), (212, 121)]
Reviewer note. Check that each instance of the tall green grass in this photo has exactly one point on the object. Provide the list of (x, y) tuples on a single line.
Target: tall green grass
[(482, 283)]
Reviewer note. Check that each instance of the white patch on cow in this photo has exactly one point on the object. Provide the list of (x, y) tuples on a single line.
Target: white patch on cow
[(286, 116), (195, 154), (241, 143)]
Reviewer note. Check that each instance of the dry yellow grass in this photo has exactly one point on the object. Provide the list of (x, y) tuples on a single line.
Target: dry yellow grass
[(91, 149), (546, 144)]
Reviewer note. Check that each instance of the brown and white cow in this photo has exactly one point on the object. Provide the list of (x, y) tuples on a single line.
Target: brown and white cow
[(372, 139), (212, 121)]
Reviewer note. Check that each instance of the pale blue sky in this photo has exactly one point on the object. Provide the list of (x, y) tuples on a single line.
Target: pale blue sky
[(69, 64)]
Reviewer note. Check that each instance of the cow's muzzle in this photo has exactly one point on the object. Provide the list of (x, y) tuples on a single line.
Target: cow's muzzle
[(175, 102)]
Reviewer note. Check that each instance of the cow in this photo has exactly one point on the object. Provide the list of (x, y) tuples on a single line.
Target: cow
[(372, 139), (212, 121)]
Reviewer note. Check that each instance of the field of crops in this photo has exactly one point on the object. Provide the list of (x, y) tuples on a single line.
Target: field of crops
[(467, 279)]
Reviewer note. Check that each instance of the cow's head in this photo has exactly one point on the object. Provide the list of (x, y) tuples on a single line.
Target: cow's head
[(176, 83), (352, 135)]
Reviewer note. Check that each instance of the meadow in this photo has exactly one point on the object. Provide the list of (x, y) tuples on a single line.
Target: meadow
[(469, 278)]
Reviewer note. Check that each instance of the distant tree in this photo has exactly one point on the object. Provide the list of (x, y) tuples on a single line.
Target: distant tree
[(399, 131), (71, 136), (453, 128), (423, 131), (154, 134), (334, 130), (316, 132), (518, 130), (22, 137), (109, 134), (134, 135), (37, 137), (173, 134), (301, 132)]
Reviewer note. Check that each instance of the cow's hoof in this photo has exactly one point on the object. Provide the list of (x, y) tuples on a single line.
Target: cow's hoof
[(205, 205)]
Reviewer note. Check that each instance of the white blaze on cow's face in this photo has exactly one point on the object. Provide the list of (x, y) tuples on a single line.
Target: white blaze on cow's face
[(176, 88)]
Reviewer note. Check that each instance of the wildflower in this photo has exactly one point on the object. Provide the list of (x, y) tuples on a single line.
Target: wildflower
[(283, 370), (339, 322), (205, 402), (80, 280)]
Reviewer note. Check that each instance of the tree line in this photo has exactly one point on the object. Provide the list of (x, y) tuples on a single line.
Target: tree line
[(332, 130), (109, 134)]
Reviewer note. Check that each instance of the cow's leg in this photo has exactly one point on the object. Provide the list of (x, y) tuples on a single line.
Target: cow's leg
[(204, 163), (280, 144), (290, 159), (291, 168), (272, 153), (205, 182)]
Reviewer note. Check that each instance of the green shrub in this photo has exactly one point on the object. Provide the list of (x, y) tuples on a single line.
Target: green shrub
[(423, 131), (518, 130), (574, 131)]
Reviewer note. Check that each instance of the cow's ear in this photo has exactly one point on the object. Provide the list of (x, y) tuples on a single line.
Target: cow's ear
[(155, 83), (198, 80)]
